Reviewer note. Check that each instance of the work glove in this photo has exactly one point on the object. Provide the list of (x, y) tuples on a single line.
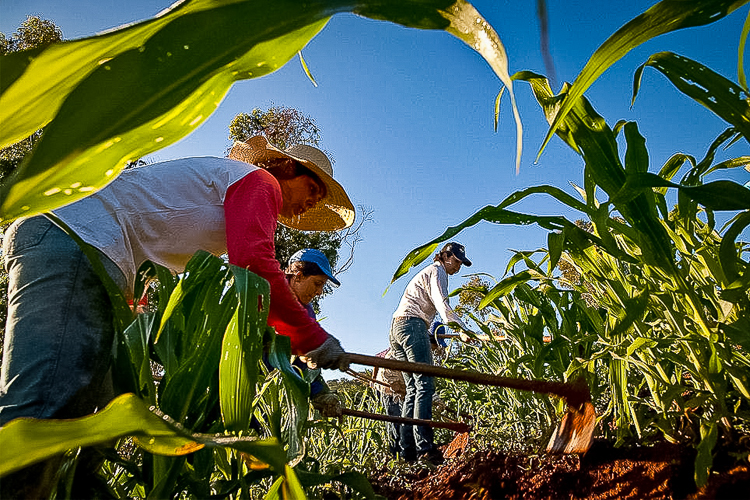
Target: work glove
[(327, 403), (329, 355)]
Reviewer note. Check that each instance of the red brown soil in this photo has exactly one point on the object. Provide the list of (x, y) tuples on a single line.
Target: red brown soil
[(664, 471)]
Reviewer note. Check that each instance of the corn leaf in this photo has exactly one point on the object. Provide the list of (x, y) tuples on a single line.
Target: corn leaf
[(29, 441), (704, 460), (112, 98), (664, 17), (242, 349), (720, 95)]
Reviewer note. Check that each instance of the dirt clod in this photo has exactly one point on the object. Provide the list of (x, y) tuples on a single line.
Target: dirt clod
[(664, 471)]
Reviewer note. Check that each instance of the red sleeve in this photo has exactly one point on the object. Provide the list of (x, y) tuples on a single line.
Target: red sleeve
[(251, 207)]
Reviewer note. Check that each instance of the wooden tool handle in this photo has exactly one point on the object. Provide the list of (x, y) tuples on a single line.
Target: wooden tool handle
[(454, 426), (574, 394)]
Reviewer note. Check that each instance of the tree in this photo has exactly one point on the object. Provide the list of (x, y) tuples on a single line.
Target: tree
[(285, 127), (282, 126), (33, 32)]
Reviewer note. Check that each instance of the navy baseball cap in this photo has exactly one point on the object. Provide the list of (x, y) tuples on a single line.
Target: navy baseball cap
[(458, 250), (316, 257)]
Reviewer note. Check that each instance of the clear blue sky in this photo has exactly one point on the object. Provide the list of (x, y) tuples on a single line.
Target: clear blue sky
[(408, 117)]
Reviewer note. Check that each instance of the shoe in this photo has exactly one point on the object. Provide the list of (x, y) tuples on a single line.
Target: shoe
[(434, 456)]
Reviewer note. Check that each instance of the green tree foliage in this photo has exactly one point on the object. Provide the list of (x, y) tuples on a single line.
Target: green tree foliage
[(285, 127), (282, 126)]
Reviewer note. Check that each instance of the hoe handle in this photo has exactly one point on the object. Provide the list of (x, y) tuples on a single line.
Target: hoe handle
[(454, 426), (575, 394)]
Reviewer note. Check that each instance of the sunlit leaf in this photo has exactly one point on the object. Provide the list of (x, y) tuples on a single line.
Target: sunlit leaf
[(28, 440), (242, 348), (109, 99), (664, 17), (723, 97)]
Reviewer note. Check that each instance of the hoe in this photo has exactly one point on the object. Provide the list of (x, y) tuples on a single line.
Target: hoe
[(576, 430)]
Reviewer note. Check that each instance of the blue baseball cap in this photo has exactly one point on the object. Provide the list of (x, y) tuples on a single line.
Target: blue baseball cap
[(316, 257)]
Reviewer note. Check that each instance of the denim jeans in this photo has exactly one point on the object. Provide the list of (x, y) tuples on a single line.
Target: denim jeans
[(410, 341), (392, 408), (59, 333)]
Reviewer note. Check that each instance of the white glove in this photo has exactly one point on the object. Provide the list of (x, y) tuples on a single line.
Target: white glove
[(329, 355), (328, 404)]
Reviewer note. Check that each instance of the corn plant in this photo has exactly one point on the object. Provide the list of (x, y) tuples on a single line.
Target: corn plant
[(199, 426), (658, 319)]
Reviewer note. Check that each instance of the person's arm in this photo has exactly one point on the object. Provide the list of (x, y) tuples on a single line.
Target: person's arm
[(251, 206), (439, 296)]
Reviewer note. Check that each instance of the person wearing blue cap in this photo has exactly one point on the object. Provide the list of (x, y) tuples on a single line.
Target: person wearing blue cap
[(307, 273)]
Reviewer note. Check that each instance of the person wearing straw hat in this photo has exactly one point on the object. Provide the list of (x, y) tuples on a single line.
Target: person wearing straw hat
[(425, 295), (59, 330)]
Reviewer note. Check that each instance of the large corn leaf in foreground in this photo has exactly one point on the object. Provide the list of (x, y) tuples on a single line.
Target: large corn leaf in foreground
[(112, 98), (242, 349), (29, 440)]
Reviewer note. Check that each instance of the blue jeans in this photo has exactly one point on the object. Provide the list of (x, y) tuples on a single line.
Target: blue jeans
[(59, 333), (410, 341), (392, 408)]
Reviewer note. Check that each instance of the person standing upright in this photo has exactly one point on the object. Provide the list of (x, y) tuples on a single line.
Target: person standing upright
[(425, 295)]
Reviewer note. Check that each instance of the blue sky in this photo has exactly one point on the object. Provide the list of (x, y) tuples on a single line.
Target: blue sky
[(408, 117)]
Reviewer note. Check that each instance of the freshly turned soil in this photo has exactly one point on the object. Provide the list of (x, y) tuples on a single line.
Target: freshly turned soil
[(664, 471)]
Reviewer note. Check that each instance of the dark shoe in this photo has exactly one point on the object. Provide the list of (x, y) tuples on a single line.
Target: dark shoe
[(434, 456)]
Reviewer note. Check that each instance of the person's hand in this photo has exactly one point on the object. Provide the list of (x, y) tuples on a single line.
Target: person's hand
[(327, 403), (464, 337), (329, 355)]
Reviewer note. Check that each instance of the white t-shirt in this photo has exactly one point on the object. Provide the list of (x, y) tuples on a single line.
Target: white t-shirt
[(163, 212), (427, 294)]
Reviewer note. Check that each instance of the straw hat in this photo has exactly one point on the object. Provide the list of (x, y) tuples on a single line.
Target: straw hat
[(333, 212)]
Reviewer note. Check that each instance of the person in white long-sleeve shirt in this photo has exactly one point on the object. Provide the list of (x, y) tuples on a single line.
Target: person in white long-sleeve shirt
[(425, 295)]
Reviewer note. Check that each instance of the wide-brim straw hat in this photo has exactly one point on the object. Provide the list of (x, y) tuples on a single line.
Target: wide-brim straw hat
[(333, 212)]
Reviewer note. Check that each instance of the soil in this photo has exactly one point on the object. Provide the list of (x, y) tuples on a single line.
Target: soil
[(664, 471)]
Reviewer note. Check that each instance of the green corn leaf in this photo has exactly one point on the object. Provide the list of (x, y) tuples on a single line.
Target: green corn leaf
[(286, 487), (718, 94), (730, 261), (555, 242), (739, 379), (498, 215), (704, 460), (636, 156), (664, 17), (587, 133), (741, 161), (716, 195), (506, 286), (640, 342), (29, 441), (112, 98), (131, 364), (200, 311), (353, 479), (297, 395), (741, 78), (242, 349)]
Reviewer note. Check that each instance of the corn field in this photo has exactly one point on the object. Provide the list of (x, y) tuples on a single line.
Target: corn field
[(644, 296)]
